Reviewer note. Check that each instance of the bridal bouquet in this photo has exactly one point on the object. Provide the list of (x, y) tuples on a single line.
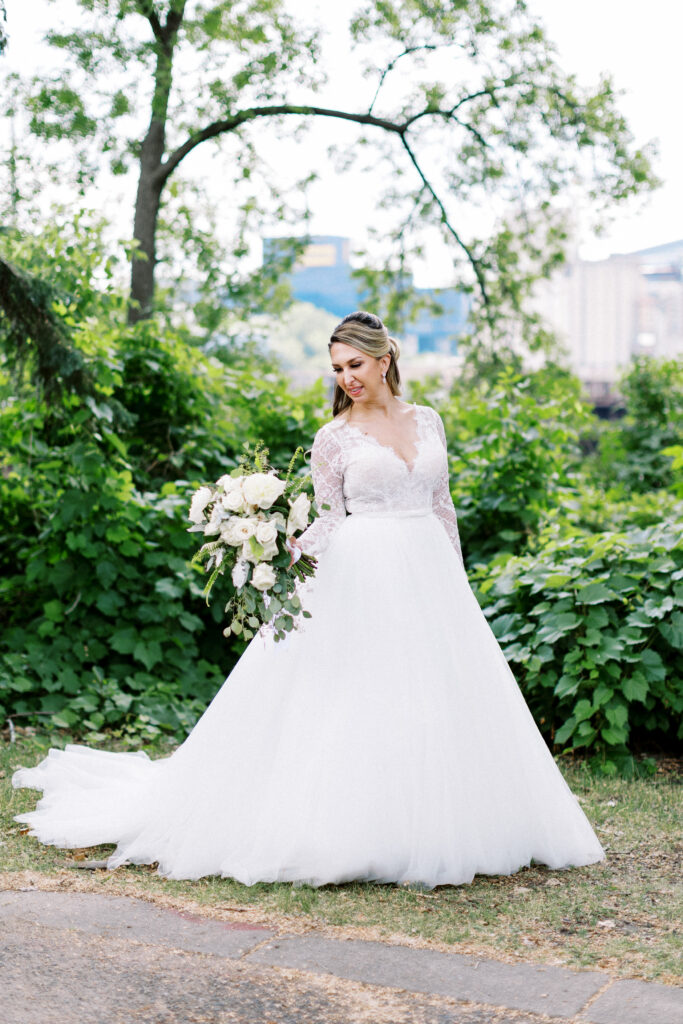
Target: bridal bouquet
[(253, 515)]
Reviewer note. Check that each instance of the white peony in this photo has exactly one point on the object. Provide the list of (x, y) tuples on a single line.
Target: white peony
[(266, 533), (240, 572), (237, 531), (200, 499), (262, 489), (298, 514), (263, 577)]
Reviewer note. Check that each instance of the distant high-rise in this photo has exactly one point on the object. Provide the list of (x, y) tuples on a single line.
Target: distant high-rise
[(323, 276)]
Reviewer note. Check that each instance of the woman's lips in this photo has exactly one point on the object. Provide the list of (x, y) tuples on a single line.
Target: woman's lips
[(355, 391)]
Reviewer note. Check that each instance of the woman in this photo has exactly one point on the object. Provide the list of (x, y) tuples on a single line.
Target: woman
[(384, 740)]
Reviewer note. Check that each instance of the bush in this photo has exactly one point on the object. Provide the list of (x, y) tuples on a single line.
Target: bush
[(102, 622), (514, 447), (632, 451), (592, 625)]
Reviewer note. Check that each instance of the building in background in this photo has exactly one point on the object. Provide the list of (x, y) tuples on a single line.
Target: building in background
[(605, 312), (323, 276)]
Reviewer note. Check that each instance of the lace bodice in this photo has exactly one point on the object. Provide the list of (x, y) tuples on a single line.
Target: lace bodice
[(354, 473)]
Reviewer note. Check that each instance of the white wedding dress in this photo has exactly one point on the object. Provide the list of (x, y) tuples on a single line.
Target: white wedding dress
[(385, 740)]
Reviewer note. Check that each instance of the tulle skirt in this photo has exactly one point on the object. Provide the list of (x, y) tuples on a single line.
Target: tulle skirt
[(385, 740)]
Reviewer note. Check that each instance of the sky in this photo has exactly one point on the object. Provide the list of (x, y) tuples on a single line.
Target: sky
[(638, 44)]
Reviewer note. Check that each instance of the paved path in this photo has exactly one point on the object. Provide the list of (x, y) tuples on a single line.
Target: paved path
[(82, 958)]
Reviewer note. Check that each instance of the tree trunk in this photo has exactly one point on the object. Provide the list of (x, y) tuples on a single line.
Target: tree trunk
[(147, 205), (151, 181)]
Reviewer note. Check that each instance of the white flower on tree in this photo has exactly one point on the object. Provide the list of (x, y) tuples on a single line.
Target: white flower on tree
[(262, 489)]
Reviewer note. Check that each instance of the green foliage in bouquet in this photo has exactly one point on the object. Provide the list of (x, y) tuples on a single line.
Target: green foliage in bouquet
[(592, 625)]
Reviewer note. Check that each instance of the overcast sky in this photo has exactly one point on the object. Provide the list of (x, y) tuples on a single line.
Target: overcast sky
[(639, 44)]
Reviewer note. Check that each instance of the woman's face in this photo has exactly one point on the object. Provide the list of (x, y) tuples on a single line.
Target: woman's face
[(356, 373)]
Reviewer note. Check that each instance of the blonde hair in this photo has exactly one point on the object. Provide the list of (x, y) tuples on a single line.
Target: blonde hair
[(367, 333)]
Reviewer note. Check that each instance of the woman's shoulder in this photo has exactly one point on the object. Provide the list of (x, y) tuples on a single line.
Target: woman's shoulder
[(427, 412), (327, 435)]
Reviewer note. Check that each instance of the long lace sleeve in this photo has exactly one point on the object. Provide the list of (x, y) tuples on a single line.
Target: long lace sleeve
[(442, 503), (328, 478)]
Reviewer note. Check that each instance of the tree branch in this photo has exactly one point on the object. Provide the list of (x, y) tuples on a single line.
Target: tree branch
[(392, 64), (164, 34), (146, 9), (217, 128), (474, 262)]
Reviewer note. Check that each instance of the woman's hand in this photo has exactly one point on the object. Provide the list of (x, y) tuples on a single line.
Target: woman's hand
[(294, 549)]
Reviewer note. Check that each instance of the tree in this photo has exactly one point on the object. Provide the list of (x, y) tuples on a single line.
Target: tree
[(489, 121), (3, 31)]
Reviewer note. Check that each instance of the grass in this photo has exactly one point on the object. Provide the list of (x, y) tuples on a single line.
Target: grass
[(622, 916)]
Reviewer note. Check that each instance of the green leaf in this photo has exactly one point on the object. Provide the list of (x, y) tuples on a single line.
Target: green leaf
[(54, 610), (652, 665), (583, 710), (147, 653), (595, 593), (169, 587), (565, 731), (672, 630), (614, 736), (635, 687), (124, 640)]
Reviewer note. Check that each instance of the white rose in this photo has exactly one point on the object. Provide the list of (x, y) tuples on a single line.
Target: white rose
[(247, 554), (262, 489), (263, 577), (269, 551), (229, 483), (240, 572), (266, 533), (237, 531), (298, 514), (200, 499), (233, 500)]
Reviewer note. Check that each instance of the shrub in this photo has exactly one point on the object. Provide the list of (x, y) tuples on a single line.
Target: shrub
[(632, 451), (514, 446), (592, 625)]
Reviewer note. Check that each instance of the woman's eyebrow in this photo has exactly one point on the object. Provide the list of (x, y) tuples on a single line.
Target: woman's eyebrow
[(338, 365)]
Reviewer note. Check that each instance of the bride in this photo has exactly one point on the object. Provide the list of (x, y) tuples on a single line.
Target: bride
[(385, 739)]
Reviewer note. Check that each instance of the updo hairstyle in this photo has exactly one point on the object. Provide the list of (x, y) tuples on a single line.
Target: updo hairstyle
[(367, 333)]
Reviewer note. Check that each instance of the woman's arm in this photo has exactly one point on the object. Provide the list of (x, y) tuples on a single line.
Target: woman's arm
[(442, 503), (328, 480)]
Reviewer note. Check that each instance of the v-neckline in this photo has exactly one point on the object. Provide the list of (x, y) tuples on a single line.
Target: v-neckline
[(390, 448)]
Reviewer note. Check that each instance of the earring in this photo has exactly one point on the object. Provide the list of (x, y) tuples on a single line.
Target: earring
[(384, 378)]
